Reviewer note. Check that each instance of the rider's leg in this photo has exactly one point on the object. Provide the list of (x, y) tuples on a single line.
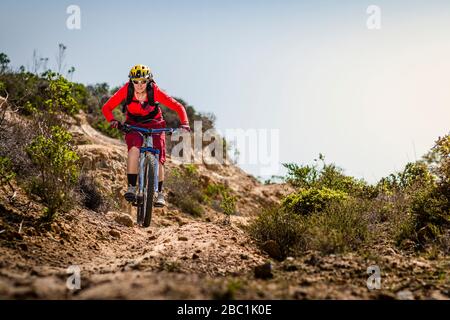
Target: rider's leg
[(160, 177), (159, 143), (160, 202), (161, 172), (133, 161), (133, 142), (132, 170)]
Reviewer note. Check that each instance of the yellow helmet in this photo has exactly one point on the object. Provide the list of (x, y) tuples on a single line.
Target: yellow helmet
[(140, 71)]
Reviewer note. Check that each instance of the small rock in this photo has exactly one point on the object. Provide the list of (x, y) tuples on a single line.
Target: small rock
[(243, 256), (114, 233), (136, 266), (182, 238), (306, 282), (55, 228), (151, 238), (124, 219), (300, 294), (264, 271), (405, 295), (289, 259), (195, 256), (313, 260), (23, 247), (290, 267), (273, 250), (13, 235), (34, 272)]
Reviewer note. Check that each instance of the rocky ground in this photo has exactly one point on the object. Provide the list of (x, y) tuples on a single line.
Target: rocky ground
[(183, 257)]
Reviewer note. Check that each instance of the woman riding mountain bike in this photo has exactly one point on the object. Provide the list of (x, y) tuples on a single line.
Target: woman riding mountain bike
[(141, 96)]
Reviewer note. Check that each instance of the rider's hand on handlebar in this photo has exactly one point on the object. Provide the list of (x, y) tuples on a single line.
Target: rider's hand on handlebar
[(115, 124), (185, 127)]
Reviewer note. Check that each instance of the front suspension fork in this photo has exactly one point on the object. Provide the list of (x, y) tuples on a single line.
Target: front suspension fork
[(141, 172)]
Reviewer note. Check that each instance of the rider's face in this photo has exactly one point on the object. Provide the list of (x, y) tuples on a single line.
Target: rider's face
[(140, 86)]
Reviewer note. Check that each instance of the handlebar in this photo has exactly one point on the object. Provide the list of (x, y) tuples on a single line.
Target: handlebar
[(128, 128)]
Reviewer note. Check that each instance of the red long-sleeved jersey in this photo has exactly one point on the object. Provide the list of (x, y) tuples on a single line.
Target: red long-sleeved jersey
[(135, 108)]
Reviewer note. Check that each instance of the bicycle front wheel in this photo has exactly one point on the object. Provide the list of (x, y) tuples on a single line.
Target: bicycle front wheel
[(146, 209)]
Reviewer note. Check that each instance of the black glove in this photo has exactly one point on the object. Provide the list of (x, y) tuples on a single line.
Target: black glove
[(185, 127), (115, 124)]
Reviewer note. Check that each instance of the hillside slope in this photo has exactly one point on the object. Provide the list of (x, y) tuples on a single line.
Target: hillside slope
[(180, 256)]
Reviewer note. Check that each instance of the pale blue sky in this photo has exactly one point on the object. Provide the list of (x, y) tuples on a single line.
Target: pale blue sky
[(370, 100)]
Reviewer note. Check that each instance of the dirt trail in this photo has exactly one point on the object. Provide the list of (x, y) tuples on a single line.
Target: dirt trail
[(109, 253), (179, 256)]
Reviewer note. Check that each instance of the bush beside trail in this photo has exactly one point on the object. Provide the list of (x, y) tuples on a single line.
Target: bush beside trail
[(331, 212)]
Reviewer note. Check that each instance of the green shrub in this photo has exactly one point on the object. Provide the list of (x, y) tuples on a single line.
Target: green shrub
[(214, 190), (58, 167), (306, 201), (185, 191), (329, 176), (301, 176), (191, 169), (24, 89), (341, 226), (48, 93), (220, 197), (81, 95), (426, 183), (6, 171), (284, 227), (438, 160), (188, 204), (415, 176), (430, 218), (228, 204), (60, 95)]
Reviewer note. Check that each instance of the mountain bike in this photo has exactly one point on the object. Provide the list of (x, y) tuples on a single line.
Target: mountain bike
[(148, 172)]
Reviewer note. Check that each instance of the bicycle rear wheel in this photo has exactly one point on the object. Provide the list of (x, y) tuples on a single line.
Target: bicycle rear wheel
[(145, 210)]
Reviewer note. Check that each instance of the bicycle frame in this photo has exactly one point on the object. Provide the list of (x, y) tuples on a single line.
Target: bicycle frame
[(148, 143), (147, 146)]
